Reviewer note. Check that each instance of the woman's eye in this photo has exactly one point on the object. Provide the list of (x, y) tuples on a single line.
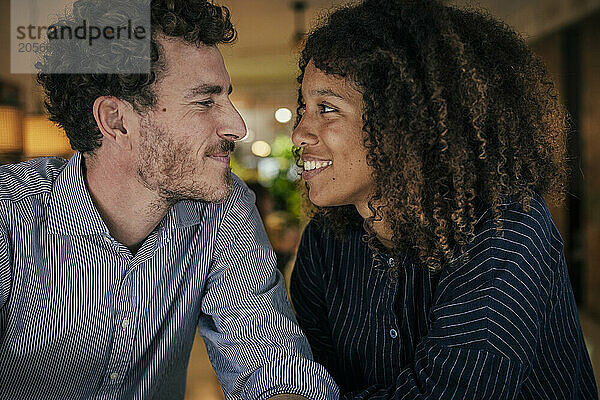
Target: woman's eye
[(326, 109)]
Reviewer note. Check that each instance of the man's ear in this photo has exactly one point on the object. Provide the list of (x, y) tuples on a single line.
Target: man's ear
[(110, 113)]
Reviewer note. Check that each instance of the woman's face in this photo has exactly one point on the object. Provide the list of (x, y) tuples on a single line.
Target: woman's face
[(331, 137)]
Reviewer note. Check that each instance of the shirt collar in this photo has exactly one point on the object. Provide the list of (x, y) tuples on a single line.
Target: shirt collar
[(183, 214), (71, 209)]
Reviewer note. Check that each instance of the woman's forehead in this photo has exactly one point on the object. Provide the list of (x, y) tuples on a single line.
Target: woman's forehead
[(317, 82)]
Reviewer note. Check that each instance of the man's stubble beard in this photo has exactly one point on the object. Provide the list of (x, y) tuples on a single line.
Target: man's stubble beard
[(171, 168)]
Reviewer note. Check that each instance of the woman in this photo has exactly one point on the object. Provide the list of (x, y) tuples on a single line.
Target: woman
[(432, 267)]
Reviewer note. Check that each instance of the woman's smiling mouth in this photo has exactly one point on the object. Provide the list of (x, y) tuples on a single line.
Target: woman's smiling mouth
[(314, 167)]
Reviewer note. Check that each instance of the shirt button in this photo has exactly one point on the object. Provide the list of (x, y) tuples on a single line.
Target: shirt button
[(107, 240), (393, 333), (125, 323), (114, 376), (391, 261)]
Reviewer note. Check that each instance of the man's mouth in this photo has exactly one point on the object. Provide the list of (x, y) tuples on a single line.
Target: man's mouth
[(221, 157)]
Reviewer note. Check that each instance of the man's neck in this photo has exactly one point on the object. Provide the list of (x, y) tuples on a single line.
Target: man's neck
[(129, 210)]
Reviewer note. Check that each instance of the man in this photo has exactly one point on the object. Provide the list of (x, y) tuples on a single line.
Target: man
[(110, 261)]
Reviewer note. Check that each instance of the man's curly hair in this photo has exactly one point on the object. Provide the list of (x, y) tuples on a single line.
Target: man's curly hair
[(70, 97), (459, 113)]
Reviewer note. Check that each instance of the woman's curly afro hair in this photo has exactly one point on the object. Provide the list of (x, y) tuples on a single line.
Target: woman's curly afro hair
[(70, 97), (459, 113)]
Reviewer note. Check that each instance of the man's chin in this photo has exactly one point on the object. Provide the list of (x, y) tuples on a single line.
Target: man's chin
[(216, 194), (224, 191), (219, 196), (212, 192)]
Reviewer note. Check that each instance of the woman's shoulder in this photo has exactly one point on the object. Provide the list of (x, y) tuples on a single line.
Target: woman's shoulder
[(526, 251), (533, 225)]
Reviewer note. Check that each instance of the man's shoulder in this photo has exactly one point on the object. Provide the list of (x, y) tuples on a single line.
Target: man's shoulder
[(240, 200), (29, 178), (240, 189), (237, 220), (241, 196)]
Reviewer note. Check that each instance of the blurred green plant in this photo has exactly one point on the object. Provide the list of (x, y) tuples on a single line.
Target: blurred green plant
[(280, 185), (245, 174), (282, 147), (283, 186)]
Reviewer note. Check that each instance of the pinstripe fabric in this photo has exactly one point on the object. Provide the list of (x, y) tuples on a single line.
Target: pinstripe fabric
[(80, 317), (502, 325)]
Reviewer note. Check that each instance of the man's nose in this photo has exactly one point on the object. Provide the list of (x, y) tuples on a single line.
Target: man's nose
[(232, 127)]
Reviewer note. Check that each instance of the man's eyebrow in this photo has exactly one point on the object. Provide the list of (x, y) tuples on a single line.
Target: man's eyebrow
[(325, 92), (205, 89)]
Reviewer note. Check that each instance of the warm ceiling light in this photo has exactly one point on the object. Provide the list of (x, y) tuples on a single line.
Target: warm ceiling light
[(42, 137), (261, 149), (11, 129), (283, 115)]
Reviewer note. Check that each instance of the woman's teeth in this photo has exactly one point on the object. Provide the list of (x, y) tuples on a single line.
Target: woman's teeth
[(310, 165)]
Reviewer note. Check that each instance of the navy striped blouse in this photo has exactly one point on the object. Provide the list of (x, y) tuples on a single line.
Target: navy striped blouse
[(503, 325), (81, 317)]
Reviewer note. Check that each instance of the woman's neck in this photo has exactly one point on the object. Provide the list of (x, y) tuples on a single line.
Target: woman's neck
[(381, 228)]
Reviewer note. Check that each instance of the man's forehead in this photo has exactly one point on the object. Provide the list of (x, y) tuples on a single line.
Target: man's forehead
[(193, 70), (178, 53), (204, 89)]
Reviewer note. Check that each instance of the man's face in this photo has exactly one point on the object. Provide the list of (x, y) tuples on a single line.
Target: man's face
[(184, 143)]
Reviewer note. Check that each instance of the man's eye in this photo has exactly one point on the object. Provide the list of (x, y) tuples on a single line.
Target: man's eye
[(326, 109), (205, 103)]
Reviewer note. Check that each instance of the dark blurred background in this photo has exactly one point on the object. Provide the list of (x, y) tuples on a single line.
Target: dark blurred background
[(262, 65)]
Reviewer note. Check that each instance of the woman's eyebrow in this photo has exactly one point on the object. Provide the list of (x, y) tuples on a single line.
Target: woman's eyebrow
[(325, 92)]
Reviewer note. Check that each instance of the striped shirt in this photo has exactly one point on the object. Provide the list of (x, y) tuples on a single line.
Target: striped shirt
[(502, 325), (81, 317)]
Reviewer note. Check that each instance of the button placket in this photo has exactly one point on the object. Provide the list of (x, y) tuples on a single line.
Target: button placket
[(393, 332), (124, 332), (128, 302)]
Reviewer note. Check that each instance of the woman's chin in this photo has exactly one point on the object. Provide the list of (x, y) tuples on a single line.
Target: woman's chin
[(316, 199), (320, 199)]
